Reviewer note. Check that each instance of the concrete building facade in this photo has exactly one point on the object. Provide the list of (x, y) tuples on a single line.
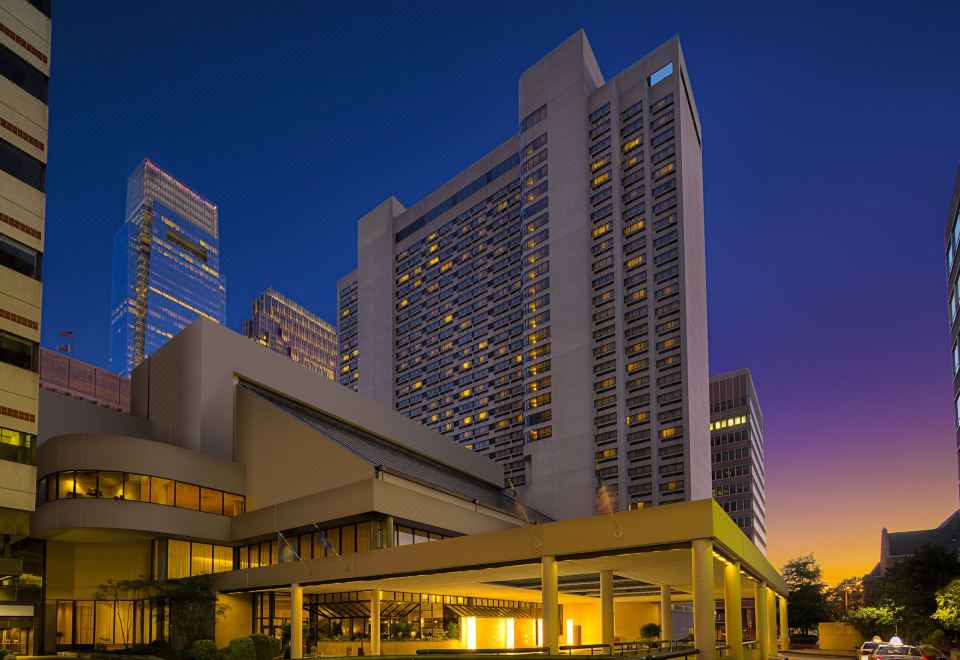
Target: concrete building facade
[(314, 508), (288, 328), (166, 266), (24, 142), (67, 375), (547, 307), (739, 466)]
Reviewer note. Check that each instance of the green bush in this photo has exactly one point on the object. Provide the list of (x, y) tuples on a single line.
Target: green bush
[(241, 648), (650, 631), (266, 648), (205, 649)]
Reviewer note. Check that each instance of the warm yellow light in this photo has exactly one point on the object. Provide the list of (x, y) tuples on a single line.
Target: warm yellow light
[(510, 629), (471, 627), (465, 393), (539, 632), (569, 632), (448, 318)]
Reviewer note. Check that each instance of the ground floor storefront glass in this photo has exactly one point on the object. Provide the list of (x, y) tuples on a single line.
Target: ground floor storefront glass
[(17, 635), (109, 623)]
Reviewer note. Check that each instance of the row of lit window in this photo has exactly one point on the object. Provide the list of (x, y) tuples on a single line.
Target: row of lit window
[(138, 488), (730, 421)]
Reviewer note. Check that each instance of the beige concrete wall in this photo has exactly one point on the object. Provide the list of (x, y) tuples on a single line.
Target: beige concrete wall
[(61, 414), (32, 26), (17, 486), (236, 620), (838, 637)]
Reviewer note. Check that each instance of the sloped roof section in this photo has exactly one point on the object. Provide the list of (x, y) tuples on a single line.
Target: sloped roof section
[(399, 460), (946, 534)]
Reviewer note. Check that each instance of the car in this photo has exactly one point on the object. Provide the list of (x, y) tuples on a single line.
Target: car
[(895, 652), (867, 648)]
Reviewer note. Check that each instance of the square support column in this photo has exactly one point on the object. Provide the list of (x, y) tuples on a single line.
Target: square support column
[(760, 619), (772, 619), (374, 622), (606, 608), (732, 606), (296, 621), (704, 610), (784, 625), (666, 615), (551, 605)]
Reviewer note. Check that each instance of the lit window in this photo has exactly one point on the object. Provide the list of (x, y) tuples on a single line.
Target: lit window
[(603, 178), (661, 74), (631, 144)]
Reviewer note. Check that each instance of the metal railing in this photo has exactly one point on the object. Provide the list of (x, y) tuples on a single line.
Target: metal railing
[(540, 650), (570, 648)]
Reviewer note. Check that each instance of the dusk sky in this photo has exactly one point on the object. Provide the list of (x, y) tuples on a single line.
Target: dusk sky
[(831, 139)]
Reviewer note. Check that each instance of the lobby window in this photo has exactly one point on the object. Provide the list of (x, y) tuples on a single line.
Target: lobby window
[(186, 559), (187, 496), (19, 352), (17, 256), (662, 73)]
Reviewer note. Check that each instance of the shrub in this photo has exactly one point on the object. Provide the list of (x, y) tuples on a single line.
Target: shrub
[(241, 648), (266, 648), (205, 649), (650, 631)]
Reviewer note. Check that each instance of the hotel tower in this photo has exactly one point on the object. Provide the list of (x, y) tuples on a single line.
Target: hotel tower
[(24, 77), (166, 266), (546, 307)]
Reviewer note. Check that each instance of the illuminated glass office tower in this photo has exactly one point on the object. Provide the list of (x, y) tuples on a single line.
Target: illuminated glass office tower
[(288, 328), (547, 307), (952, 240), (24, 142), (166, 266)]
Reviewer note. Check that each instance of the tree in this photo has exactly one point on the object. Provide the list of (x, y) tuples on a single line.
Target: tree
[(912, 584), (807, 602), (137, 591), (193, 609), (948, 606), (879, 620), (845, 597)]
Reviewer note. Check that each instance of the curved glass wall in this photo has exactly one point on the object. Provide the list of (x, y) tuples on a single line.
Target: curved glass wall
[(138, 488)]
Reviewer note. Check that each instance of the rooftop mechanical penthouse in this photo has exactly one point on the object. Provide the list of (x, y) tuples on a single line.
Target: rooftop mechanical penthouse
[(547, 307)]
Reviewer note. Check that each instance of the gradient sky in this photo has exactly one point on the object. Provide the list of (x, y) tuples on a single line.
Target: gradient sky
[(831, 141)]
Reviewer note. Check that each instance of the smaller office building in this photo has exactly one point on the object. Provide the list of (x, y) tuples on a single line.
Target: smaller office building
[(314, 508)]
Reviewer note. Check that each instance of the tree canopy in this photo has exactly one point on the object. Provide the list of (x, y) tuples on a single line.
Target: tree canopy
[(807, 602)]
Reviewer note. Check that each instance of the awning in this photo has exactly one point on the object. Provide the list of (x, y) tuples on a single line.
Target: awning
[(490, 612), (361, 609)]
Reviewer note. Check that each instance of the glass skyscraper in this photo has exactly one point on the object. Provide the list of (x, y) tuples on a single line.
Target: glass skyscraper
[(166, 266)]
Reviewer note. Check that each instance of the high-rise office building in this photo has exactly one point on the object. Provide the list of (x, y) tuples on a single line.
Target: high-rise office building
[(952, 239), (166, 266), (547, 306), (287, 328), (736, 434), (24, 77)]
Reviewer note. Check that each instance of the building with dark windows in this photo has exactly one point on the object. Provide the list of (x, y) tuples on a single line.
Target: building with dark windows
[(736, 438), (166, 266), (317, 511), (24, 76), (479, 311), (952, 239), (288, 328)]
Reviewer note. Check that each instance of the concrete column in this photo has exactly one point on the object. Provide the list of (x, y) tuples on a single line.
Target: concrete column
[(551, 613), (784, 625), (666, 615), (388, 532), (732, 614), (760, 620), (704, 610), (772, 620), (606, 608), (374, 622), (296, 621)]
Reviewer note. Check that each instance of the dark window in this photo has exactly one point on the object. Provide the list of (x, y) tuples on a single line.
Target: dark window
[(187, 245), (43, 6), (21, 73), (17, 256), (18, 352), (22, 166)]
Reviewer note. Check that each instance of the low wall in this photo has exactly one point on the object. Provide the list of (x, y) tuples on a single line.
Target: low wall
[(838, 637), (387, 647)]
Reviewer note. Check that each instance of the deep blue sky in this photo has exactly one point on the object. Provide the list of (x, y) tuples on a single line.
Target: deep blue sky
[(831, 142)]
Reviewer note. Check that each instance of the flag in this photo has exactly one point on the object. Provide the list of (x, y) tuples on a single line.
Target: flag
[(63, 348), (517, 505), (325, 543), (67, 333), (288, 551), (605, 502)]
